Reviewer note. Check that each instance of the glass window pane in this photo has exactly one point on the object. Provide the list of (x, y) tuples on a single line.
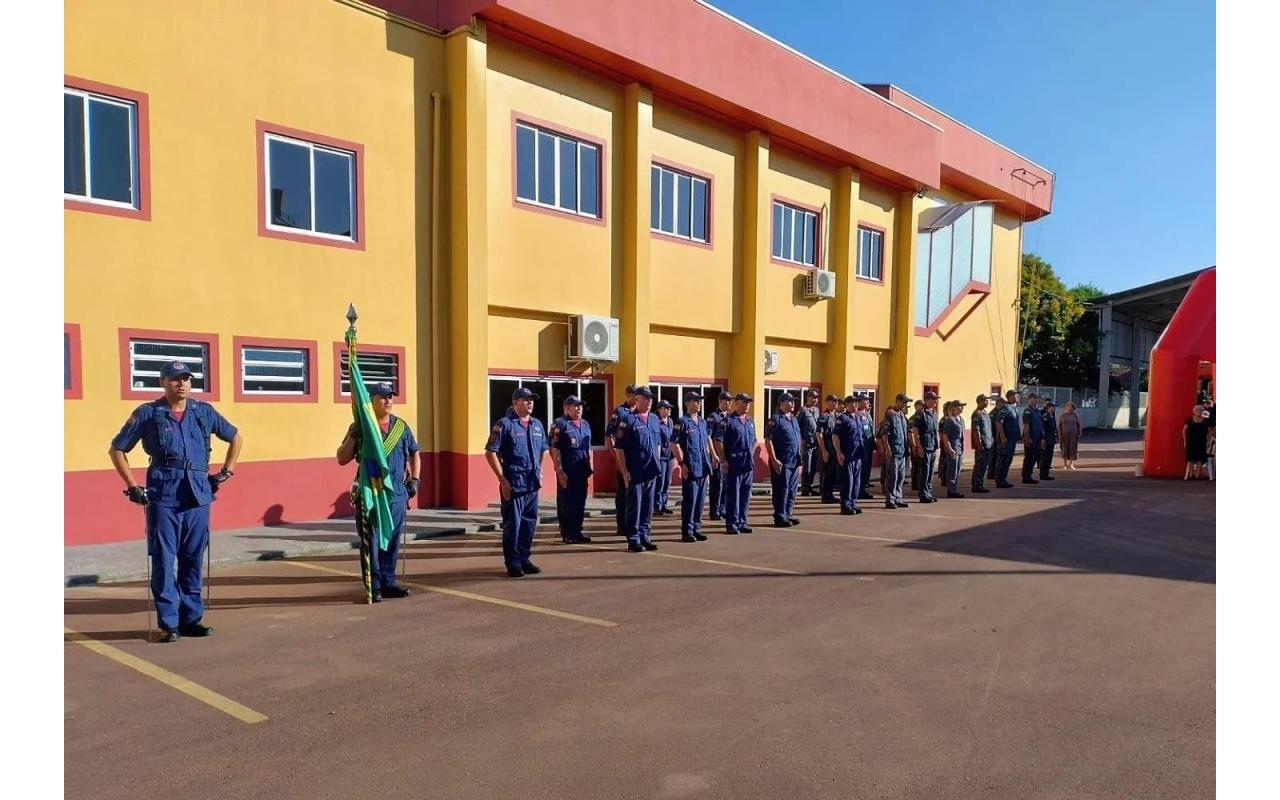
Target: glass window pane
[(148, 356), (73, 144), (788, 226), (546, 168), (655, 196), (921, 299), (500, 390), (595, 409), (667, 221), (982, 221), (589, 167), (961, 253), (876, 254), (810, 232), (289, 184), (672, 395), (560, 391), (940, 273), (374, 368), (110, 152), (700, 209), (864, 270), (684, 189), (335, 184), (525, 173), (274, 370), (710, 398), (777, 230), (568, 175)]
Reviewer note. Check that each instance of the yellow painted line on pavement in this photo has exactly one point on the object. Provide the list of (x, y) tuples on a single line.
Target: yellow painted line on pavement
[(483, 598), (849, 536), (207, 696)]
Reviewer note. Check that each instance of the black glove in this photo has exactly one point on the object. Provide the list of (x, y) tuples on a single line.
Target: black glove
[(137, 494), (217, 480), (412, 485)]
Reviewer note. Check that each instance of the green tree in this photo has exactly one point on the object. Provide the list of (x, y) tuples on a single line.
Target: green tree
[(1058, 344)]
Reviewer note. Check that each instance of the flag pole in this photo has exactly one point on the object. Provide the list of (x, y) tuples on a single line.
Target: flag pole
[(357, 496)]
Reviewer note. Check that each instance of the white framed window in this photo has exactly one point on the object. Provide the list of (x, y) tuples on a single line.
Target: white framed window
[(870, 254), (674, 394), (953, 252), (871, 401), (795, 234), (274, 370), (552, 392), (679, 204), (773, 393), (375, 367), (147, 356), (557, 171), (99, 149), (310, 188)]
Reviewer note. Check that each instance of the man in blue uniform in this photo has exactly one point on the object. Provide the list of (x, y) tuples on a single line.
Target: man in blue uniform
[(691, 445), (810, 465), (916, 464), (782, 441), (620, 493), (1049, 424), (983, 440), (639, 440), (666, 464), (514, 452), (174, 431), (401, 450), (1006, 424), (571, 454), (951, 435), (716, 486), (735, 443), (1032, 434), (895, 442), (924, 441), (826, 450), (849, 444), (868, 444)]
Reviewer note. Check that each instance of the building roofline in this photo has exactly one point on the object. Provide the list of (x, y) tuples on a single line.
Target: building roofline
[(1139, 292)]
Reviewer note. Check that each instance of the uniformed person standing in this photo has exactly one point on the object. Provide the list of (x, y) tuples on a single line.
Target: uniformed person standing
[(571, 454), (783, 443), (1006, 424), (826, 450), (401, 450), (639, 439), (916, 463), (1049, 424), (514, 452), (663, 487), (983, 441), (691, 445), (174, 431), (895, 443), (849, 442), (1032, 435), (810, 464), (951, 432), (924, 443), (620, 493), (735, 443), (868, 445), (719, 471)]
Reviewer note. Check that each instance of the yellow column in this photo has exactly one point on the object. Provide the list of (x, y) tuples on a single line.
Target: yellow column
[(901, 368), (844, 251), (637, 153), (466, 354), (747, 370)]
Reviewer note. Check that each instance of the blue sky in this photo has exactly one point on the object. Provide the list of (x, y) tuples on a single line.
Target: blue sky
[(1117, 98)]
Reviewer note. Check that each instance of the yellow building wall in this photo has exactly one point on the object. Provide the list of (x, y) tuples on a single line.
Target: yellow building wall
[(799, 364), (873, 302), (693, 285), (792, 177), (199, 264), (683, 354), (527, 343)]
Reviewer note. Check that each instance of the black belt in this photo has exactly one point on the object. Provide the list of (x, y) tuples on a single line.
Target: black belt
[(174, 464)]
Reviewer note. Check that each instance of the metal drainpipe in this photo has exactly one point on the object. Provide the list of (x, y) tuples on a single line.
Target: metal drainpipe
[(435, 296)]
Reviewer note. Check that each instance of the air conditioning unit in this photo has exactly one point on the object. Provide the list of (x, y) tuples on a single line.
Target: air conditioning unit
[(819, 283), (593, 338), (770, 362)]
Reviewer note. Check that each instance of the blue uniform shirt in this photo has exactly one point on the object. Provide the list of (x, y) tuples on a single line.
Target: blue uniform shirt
[(573, 440), (894, 431), (927, 429), (690, 432), (179, 471), (953, 429), (784, 431), (640, 438), (666, 429), (1008, 419), (519, 448), (849, 432), (620, 413), (738, 435), (981, 422), (1035, 427), (1049, 421), (398, 458)]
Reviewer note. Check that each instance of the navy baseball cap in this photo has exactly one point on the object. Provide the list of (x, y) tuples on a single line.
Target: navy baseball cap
[(930, 396), (664, 404), (692, 396), (811, 393), (861, 396), (382, 389), (573, 400), (631, 388), (902, 398), (982, 397), (834, 397), (787, 396), (524, 393), (743, 396), (850, 398), (642, 391), (175, 368)]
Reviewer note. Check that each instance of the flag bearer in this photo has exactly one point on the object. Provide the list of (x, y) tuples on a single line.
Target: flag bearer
[(783, 442), (663, 487), (719, 473), (692, 447), (735, 443), (401, 450), (639, 440), (571, 454), (849, 442), (514, 452), (174, 431)]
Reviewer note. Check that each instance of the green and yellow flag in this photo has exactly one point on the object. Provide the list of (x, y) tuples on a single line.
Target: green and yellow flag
[(374, 492)]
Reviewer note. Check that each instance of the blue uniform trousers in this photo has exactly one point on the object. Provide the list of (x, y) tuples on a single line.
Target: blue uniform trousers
[(927, 466), (981, 464), (786, 484), (693, 492), (952, 475), (811, 468), (737, 498), (620, 505), (1006, 461), (1046, 459), (663, 487), (850, 483), (894, 472), (640, 510), (384, 566), (1030, 459), (177, 535), (868, 449), (830, 477), (571, 504), (519, 520), (716, 488)]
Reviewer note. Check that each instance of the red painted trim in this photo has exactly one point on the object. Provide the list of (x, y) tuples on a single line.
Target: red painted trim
[(982, 298), (382, 349), (937, 389), (997, 388), (238, 343), (676, 166), (551, 127), (972, 287), (817, 233), (139, 99), (76, 391), (212, 373), (260, 129), (884, 239)]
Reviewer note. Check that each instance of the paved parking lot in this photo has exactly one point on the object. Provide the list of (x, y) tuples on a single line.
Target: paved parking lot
[(1054, 641)]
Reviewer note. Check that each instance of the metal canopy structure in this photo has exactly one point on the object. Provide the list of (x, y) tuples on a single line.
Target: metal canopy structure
[(1131, 322)]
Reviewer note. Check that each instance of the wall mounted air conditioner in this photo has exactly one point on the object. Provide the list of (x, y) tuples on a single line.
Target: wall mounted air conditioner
[(770, 362), (819, 284), (593, 338)]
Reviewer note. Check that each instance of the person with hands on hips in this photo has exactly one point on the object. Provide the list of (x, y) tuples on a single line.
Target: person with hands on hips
[(514, 452)]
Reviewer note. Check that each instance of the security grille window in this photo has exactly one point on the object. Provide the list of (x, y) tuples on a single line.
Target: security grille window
[(953, 257), (147, 356), (674, 394), (310, 188), (870, 254), (773, 393), (274, 370), (678, 203), (552, 392), (795, 234), (99, 149), (555, 171), (374, 368)]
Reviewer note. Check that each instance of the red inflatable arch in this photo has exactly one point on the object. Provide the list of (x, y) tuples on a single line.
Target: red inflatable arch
[(1190, 339)]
